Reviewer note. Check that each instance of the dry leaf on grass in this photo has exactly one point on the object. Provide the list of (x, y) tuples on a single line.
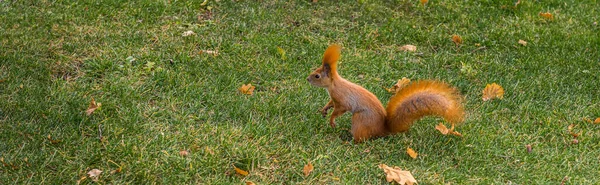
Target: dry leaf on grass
[(445, 131), (528, 147), (399, 85), (188, 33), (597, 121), (398, 175), (210, 52), (423, 2), (307, 169), (240, 171), (250, 183), (94, 174), (247, 89), (547, 15), (53, 141), (184, 153), (92, 107), (408, 47), (522, 42), (411, 153), (492, 91), (570, 129), (456, 39)]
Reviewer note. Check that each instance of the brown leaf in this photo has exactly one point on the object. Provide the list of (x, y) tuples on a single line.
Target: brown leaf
[(456, 39), (492, 91), (423, 2), (398, 175), (411, 153), (184, 153), (53, 141), (399, 85), (250, 183), (94, 174), (570, 129), (247, 89), (92, 107), (240, 171), (528, 147), (307, 169), (522, 42), (408, 47), (547, 15), (597, 121)]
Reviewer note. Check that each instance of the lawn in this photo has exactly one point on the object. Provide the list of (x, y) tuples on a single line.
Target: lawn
[(163, 91)]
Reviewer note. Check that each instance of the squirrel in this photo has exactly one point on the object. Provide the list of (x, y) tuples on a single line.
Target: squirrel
[(369, 117)]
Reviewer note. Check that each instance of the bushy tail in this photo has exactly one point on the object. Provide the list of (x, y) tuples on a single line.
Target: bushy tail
[(421, 99), (331, 56)]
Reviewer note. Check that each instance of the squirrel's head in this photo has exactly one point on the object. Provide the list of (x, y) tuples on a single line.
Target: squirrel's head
[(321, 77), (324, 75)]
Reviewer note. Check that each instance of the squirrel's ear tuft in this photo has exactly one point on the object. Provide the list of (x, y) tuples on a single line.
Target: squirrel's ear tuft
[(326, 69), (332, 54)]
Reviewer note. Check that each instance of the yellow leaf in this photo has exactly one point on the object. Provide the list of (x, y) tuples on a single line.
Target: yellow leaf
[(522, 42), (445, 131), (281, 52), (53, 141), (247, 89), (250, 183), (399, 85), (423, 2), (398, 175), (547, 15), (492, 91), (442, 128), (240, 171), (411, 153), (408, 47), (307, 169), (92, 107), (456, 39), (597, 121)]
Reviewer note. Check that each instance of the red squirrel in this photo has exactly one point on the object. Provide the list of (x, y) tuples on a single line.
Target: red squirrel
[(369, 117)]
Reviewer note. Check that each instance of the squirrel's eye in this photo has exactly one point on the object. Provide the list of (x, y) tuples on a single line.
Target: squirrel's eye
[(317, 76)]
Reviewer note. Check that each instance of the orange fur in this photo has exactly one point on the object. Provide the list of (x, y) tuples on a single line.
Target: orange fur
[(369, 118)]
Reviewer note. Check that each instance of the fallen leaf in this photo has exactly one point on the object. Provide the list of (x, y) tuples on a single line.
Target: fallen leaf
[(281, 52), (597, 121), (492, 91), (547, 15), (408, 47), (522, 42), (94, 174), (210, 52), (423, 2), (81, 179), (2, 80), (399, 85), (517, 3), (575, 141), (240, 171), (247, 89), (307, 169), (442, 128), (53, 141), (528, 147), (92, 107), (188, 33), (456, 39), (184, 153), (411, 153), (250, 183), (445, 131), (570, 129), (398, 175)]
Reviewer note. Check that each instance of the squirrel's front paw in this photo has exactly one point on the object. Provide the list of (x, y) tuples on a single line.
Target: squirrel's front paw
[(332, 124), (324, 111)]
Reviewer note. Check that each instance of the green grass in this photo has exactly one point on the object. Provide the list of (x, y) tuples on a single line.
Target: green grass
[(161, 95)]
